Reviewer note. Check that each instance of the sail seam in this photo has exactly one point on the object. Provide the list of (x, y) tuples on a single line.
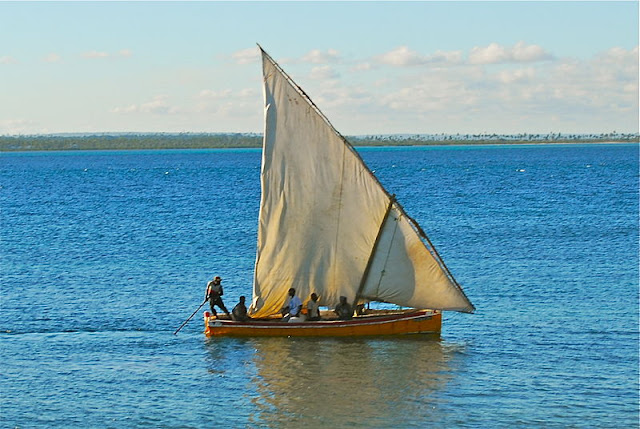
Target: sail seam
[(386, 260), (374, 249), (339, 220)]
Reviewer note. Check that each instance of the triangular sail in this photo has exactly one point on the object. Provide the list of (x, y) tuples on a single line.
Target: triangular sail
[(405, 272), (321, 217)]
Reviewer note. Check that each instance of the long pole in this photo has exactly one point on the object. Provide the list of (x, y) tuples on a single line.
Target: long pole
[(193, 314)]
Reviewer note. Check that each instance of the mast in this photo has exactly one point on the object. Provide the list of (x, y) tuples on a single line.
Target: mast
[(365, 275)]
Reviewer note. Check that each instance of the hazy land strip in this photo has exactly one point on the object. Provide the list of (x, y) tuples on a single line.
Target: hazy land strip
[(133, 141)]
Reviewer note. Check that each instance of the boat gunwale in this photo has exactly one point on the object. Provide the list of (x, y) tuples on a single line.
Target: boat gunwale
[(358, 321)]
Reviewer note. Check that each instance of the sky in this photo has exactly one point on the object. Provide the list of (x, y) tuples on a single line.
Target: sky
[(372, 67)]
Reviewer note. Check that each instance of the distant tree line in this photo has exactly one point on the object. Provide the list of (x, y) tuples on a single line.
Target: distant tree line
[(128, 142), (485, 138), (240, 140)]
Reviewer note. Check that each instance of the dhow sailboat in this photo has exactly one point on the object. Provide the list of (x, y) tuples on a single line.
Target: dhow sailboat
[(328, 226)]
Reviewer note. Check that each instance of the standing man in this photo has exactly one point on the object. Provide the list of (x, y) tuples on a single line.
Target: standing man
[(214, 295)]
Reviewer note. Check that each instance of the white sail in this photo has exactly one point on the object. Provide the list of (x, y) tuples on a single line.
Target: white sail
[(321, 217), (405, 272)]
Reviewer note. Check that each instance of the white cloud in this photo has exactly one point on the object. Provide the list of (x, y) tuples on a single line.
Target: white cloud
[(234, 109), (246, 56), (158, 105), (519, 53), (524, 95), (211, 94), (516, 76), (433, 91), (316, 56), (403, 56), (341, 96), (123, 53), (451, 57), (323, 73), (491, 54), (523, 53), (52, 58), (361, 67), (95, 54), (8, 60), (248, 93), (16, 126), (617, 55), (228, 103), (611, 77), (126, 109)]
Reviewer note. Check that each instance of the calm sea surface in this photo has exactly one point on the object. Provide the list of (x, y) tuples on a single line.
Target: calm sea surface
[(104, 254)]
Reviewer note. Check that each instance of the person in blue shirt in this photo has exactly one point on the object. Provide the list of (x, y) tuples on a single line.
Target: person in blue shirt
[(292, 307)]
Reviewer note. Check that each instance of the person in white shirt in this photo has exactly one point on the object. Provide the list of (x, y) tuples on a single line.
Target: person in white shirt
[(313, 308), (292, 307)]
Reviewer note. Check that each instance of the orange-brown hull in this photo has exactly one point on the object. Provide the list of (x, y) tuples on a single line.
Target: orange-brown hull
[(416, 322)]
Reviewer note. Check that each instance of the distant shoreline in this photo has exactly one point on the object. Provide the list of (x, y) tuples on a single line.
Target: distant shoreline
[(238, 140)]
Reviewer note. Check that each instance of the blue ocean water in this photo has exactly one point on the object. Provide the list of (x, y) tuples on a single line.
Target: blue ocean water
[(104, 254)]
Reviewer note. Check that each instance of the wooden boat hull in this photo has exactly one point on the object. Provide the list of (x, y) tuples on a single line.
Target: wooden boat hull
[(414, 322)]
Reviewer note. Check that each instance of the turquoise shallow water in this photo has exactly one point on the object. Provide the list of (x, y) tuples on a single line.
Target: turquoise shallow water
[(104, 254)]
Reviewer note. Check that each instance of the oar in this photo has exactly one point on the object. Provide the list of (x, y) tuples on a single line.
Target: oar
[(193, 314)]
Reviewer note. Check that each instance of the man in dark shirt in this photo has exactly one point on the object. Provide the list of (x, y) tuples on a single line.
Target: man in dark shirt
[(214, 295), (239, 312), (343, 309)]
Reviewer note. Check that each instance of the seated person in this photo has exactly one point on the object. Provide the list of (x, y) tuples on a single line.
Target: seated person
[(239, 312), (343, 309), (292, 307), (313, 308)]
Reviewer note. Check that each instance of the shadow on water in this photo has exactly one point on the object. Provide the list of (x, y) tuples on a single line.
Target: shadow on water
[(336, 381)]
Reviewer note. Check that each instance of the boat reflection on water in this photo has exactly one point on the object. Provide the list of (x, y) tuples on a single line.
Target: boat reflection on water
[(376, 382)]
